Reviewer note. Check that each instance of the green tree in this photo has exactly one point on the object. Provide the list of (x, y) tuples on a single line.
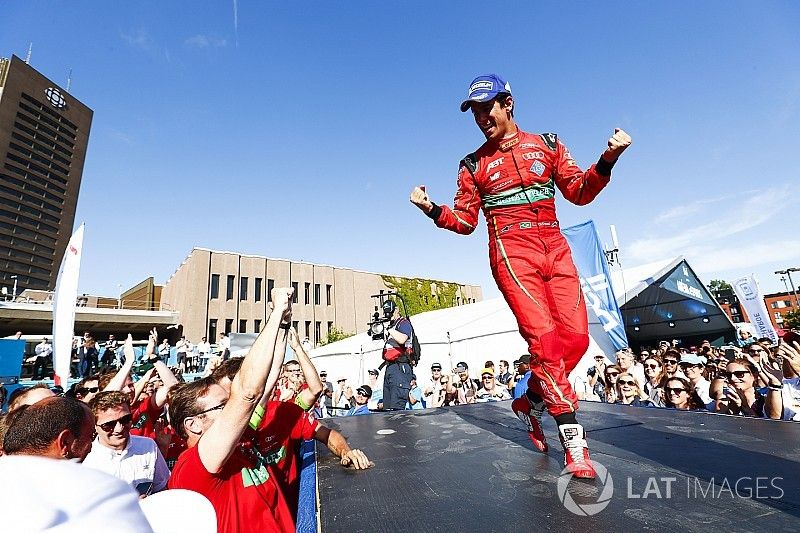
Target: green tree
[(335, 334), (719, 285), (791, 320), (422, 295)]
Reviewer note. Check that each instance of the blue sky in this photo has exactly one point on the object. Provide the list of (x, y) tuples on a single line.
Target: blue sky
[(297, 129)]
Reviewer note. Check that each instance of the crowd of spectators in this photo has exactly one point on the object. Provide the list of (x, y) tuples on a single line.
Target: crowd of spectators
[(233, 435)]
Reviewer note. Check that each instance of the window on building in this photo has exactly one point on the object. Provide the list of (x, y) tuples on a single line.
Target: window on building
[(317, 297), (308, 329), (294, 286), (307, 294), (257, 289), (328, 295), (243, 289), (229, 292), (228, 325), (214, 286), (458, 300), (777, 314), (257, 325), (295, 325), (317, 332), (212, 329), (270, 286), (330, 327), (243, 326)]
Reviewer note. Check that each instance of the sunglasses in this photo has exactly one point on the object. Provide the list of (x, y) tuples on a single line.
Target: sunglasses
[(443, 382), (674, 390), (738, 373), (651, 366), (87, 390), (670, 361), (215, 408), (691, 365), (625, 382), (111, 424), (612, 374)]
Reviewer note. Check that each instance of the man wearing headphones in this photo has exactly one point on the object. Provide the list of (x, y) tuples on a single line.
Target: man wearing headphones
[(396, 359), (513, 177)]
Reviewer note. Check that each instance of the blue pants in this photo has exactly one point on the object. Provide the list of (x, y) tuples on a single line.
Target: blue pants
[(396, 384)]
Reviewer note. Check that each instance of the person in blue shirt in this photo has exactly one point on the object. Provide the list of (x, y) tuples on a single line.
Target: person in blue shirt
[(415, 395), (361, 398), (524, 372)]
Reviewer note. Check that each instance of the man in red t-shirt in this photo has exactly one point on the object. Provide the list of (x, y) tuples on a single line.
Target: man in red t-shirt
[(147, 409), (250, 476)]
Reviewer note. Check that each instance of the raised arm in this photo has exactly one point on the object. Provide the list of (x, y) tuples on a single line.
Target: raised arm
[(463, 217), (310, 395), (118, 381), (581, 187), (247, 388)]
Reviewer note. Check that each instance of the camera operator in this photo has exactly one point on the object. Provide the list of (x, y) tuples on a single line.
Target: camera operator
[(396, 358)]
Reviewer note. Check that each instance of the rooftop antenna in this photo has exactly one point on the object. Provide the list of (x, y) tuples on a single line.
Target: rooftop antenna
[(69, 79), (28, 57)]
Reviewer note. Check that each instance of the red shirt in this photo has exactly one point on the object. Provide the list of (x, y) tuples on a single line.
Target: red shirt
[(258, 487), (176, 447), (145, 413)]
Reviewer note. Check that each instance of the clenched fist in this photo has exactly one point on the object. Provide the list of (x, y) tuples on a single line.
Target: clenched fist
[(420, 199), (616, 145)]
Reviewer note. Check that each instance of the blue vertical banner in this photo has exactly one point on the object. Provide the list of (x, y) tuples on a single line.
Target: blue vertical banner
[(590, 261)]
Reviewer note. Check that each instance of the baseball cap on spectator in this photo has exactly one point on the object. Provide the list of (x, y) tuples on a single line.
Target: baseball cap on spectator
[(341, 378), (366, 390), (692, 359), (524, 359), (373, 371), (462, 367), (484, 88), (487, 371), (436, 366)]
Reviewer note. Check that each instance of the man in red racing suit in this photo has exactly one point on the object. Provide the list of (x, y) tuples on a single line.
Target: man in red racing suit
[(513, 178)]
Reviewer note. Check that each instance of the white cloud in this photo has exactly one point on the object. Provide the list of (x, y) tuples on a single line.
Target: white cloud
[(743, 258), (710, 228), (685, 210), (205, 41), (139, 38)]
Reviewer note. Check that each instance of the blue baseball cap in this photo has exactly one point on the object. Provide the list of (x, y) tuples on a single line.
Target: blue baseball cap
[(484, 88)]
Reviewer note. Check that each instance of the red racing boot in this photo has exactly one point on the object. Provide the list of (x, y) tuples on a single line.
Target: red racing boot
[(576, 451), (531, 416)]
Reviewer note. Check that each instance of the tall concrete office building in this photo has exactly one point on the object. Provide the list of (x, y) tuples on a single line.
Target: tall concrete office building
[(44, 132)]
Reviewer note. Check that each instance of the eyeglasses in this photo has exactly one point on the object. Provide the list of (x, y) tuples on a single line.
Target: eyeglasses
[(651, 366), (485, 378), (738, 373), (436, 369), (87, 390), (691, 365), (670, 361), (111, 424), (215, 408), (625, 382), (674, 390)]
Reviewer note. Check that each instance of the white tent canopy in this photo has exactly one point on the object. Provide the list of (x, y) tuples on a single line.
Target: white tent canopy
[(472, 333)]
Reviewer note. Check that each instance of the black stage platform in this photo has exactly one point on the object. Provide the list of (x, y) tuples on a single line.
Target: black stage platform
[(472, 468)]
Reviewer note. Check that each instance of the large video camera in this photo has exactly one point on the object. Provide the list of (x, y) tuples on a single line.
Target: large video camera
[(386, 304)]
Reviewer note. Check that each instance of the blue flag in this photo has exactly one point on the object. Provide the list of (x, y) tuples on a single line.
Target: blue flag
[(590, 261)]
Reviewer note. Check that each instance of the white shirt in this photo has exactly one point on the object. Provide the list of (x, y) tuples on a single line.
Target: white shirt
[(140, 462), (51, 495), (44, 349), (203, 348), (791, 399)]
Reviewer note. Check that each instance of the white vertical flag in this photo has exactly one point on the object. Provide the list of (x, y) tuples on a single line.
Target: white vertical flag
[(749, 295), (64, 307)]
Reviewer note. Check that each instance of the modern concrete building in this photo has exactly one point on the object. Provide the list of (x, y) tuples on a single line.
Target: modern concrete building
[(216, 291), (44, 132)]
